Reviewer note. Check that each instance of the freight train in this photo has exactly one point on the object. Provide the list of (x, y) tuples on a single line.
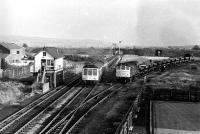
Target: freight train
[(127, 71)]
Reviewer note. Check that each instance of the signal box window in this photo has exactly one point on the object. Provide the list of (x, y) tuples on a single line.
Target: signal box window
[(95, 72), (44, 53), (48, 62), (85, 72)]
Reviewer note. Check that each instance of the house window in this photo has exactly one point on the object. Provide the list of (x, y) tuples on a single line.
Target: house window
[(52, 63), (17, 52), (44, 53), (48, 62)]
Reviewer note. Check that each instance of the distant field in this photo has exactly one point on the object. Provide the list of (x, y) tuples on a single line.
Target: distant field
[(176, 117)]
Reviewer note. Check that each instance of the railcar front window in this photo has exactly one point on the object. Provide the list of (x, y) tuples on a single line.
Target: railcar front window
[(123, 67), (89, 71), (127, 68), (95, 72), (85, 72)]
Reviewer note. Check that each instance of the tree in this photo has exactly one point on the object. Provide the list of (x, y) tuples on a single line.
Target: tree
[(25, 45), (196, 47)]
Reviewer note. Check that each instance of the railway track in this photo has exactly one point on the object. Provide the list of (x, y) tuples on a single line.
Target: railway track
[(13, 122), (33, 125), (69, 119), (65, 113), (41, 119), (79, 119)]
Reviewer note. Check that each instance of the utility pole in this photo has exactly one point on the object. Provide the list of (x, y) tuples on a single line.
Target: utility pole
[(119, 45)]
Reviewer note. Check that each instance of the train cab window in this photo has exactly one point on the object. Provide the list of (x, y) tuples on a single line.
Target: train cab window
[(89, 71), (127, 68), (123, 68), (118, 67), (85, 72), (95, 72)]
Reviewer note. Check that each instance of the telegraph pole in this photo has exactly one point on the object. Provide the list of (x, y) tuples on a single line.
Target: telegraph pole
[(119, 45)]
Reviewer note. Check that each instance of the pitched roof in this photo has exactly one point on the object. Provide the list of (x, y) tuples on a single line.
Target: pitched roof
[(10, 45), (53, 51), (2, 55)]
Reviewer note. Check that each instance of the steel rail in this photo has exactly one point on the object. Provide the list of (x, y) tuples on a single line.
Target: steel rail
[(51, 124), (76, 125), (34, 121), (61, 123), (26, 111), (7, 120)]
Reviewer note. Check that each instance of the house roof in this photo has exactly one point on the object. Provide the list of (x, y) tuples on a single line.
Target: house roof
[(2, 55), (10, 45), (53, 51)]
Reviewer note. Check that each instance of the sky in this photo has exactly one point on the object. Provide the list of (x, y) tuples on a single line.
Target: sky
[(136, 22)]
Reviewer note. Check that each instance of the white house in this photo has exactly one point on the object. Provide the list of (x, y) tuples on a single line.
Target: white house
[(49, 59), (12, 54)]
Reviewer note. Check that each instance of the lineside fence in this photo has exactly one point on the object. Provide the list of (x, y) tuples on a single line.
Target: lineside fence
[(15, 72), (126, 126)]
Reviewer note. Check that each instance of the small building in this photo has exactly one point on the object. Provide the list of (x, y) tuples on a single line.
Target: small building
[(11, 53), (48, 63)]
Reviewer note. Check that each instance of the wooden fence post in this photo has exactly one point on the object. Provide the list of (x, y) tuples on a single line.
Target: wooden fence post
[(22, 70), (17, 72), (13, 71)]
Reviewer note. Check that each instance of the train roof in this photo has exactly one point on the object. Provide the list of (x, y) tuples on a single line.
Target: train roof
[(128, 63), (93, 64), (90, 66), (96, 61), (134, 59)]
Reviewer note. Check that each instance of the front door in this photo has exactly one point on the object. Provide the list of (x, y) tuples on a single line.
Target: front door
[(43, 64)]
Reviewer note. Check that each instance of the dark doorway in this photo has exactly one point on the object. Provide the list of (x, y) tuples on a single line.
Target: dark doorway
[(43, 64)]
